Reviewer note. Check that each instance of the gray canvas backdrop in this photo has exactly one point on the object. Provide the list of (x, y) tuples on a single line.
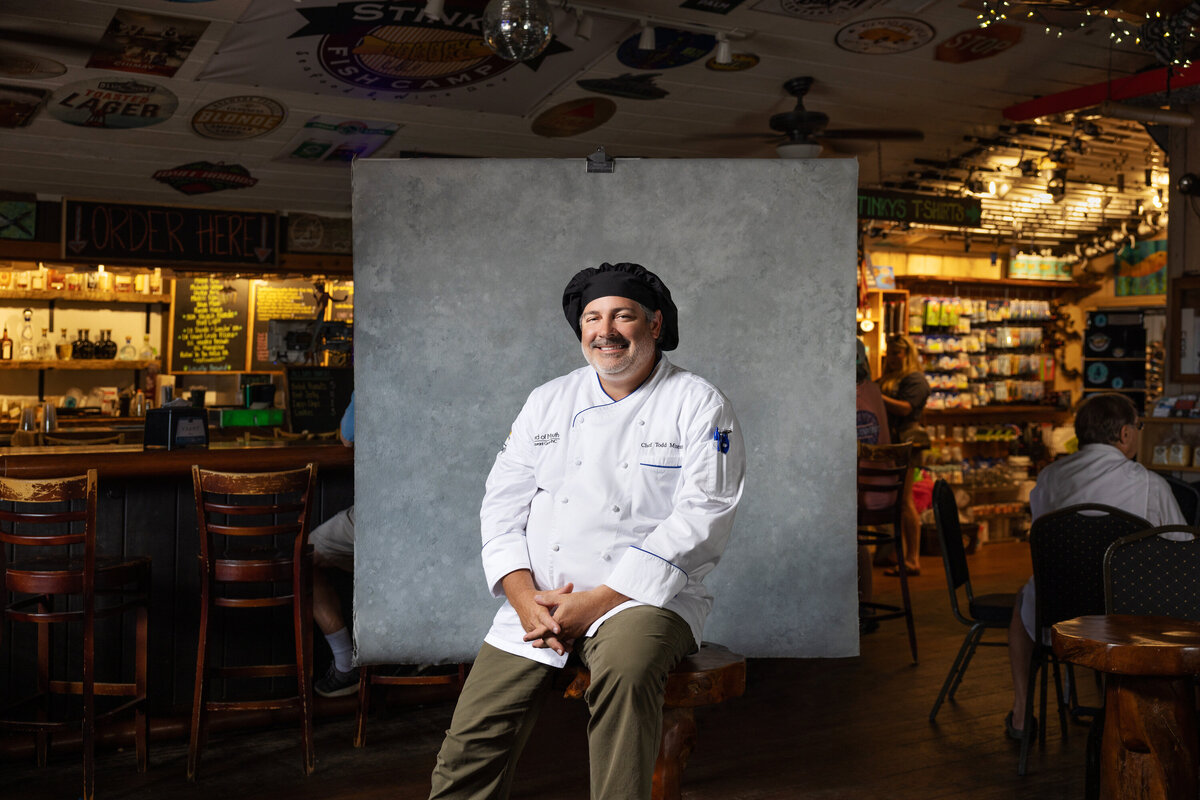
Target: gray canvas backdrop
[(459, 268)]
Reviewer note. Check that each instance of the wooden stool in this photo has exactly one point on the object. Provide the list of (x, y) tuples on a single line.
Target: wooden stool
[(710, 676), (273, 507), (368, 677), (104, 587)]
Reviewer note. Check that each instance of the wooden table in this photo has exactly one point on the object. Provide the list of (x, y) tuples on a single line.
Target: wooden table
[(1150, 746)]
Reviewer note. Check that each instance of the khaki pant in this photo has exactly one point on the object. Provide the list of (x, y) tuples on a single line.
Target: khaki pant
[(629, 659)]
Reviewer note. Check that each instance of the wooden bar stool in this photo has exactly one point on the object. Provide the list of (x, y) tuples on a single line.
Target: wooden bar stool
[(709, 676), (369, 675), (254, 553), (51, 514)]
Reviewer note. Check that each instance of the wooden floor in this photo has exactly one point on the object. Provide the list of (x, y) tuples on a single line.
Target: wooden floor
[(841, 728)]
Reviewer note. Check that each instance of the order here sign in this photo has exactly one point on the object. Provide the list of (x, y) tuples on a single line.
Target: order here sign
[(132, 233)]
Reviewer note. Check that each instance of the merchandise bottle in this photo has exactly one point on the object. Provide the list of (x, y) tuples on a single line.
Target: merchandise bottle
[(6, 346), (128, 351), (45, 349), (106, 347), (147, 353), (63, 346), (25, 343)]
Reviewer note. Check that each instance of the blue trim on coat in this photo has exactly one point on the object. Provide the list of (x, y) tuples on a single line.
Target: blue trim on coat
[(660, 558)]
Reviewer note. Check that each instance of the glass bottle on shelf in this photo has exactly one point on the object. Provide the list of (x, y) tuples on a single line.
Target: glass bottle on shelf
[(45, 348), (106, 347), (147, 353), (128, 352), (63, 346), (156, 281), (25, 343), (6, 346), (83, 347)]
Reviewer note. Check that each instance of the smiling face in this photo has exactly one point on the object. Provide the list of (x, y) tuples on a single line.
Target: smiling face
[(618, 341)]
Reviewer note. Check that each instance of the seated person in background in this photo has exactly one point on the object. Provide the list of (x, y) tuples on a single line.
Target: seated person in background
[(1102, 471), (872, 426), (333, 547)]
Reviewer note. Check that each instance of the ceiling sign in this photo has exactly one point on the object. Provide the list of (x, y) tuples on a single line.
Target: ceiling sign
[(672, 48), (389, 51), (739, 62), (109, 103), (201, 177), (151, 44), (919, 209), (332, 140), (162, 235), (884, 36), (313, 233), (574, 117), (976, 43), (627, 85), (712, 6), (19, 104), (22, 65), (241, 117), (837, 11)]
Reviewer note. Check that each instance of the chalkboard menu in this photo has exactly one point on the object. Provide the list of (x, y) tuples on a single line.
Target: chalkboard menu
[(209, 325), (163, 235), (285, 300), (317, 397)]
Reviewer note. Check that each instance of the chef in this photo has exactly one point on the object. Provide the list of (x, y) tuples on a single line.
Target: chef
[(609, 503)]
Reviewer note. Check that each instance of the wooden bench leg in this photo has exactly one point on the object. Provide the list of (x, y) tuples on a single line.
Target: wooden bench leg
[(678, 739)]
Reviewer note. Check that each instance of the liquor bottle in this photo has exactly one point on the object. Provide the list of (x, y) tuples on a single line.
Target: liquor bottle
[(6, 346), (106, 347), (82, 347), (25, 343), (45, 348), (63, 346), (148, 353), (128, 352)]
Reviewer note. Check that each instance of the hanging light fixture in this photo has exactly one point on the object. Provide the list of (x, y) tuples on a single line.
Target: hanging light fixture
[(724, 53), (518, 30), (646, 38), (433, 10)]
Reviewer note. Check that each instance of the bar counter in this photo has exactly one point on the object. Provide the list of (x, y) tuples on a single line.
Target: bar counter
[(146, 507), (131, 461)]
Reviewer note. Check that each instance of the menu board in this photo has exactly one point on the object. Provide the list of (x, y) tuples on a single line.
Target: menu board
[(280, 300), (317, 397), (209, 324)]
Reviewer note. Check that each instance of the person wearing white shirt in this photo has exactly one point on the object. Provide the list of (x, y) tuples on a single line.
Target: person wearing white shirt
[(609, 503), (1101, 471)]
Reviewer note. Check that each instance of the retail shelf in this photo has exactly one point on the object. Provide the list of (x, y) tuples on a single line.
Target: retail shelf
[(81, 364), (999, 283), (83, 296)]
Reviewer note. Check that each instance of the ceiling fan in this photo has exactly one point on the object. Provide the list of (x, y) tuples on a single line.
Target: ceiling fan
[(804, 130), (800, 133)]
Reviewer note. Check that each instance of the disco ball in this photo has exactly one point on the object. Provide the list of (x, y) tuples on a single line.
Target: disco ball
[(517, 30)]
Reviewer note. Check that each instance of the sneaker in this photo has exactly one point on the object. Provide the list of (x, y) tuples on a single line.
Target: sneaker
[(337, 684)]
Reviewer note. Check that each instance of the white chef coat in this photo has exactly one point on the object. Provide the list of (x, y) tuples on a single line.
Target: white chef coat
[(637, 494), (1098, 473)]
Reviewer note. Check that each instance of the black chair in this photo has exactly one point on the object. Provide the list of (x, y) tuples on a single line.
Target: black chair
[(884, 471), (992, 611), (1147, 574), (1188, 498), (1067, 548)]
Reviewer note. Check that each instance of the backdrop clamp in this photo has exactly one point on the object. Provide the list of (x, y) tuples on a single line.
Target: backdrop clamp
[(599, 161)]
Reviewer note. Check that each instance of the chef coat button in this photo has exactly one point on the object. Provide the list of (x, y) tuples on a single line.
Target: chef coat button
[(616, 509), (624, 465), (641, 422), (564, 500), (607, 557), (578, 461), (554, 547)]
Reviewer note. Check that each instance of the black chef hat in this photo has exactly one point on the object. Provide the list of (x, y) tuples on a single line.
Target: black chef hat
[(622, 280)]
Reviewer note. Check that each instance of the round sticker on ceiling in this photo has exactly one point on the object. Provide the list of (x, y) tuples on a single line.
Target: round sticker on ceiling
[(241, 117), (884, 36), (672, 48), (574, 117), (108, 103), (739, 62), (18, 65)]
